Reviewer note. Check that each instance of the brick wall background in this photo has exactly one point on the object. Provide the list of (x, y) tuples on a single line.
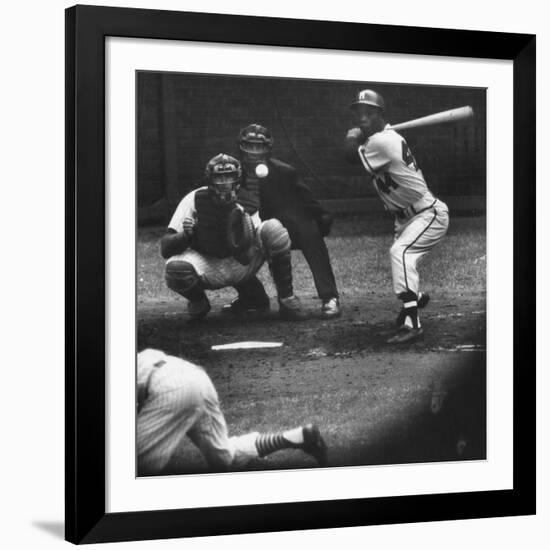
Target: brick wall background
[(185, 119)]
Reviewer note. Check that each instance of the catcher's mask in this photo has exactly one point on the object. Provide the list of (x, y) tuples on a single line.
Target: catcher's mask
[(255, 143), (223, 176)]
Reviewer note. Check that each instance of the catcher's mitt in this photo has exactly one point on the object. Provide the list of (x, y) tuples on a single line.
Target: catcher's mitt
[(240, 235)]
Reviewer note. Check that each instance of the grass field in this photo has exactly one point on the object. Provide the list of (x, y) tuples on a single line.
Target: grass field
[(373, 403), (359, 253)]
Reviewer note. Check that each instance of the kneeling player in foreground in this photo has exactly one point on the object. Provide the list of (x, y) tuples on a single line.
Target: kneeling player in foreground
[(177, 398), (201, 246), (421, 220)]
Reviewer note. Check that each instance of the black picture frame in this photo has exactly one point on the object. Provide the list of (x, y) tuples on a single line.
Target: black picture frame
[(86, 30)]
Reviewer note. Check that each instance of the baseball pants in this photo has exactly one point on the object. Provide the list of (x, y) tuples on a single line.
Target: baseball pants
[(221, 272), (309, 240), (181, 400), (413, 240)]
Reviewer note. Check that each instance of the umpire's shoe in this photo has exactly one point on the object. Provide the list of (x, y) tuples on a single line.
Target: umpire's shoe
[(421, 304), (246, 307), (198, 309), (314, 444), (290, 309), (331, 309)]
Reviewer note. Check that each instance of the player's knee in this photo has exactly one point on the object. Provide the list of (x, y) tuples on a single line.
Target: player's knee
[(219, 459), (275, 238), (181, 276)]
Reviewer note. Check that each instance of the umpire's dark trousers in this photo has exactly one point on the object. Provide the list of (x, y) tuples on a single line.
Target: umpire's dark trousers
[(305, 236)]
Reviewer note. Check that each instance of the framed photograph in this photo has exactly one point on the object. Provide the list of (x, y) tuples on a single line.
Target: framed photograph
[(300, 274)]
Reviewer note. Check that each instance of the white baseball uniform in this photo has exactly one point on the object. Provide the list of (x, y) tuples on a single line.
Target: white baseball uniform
[(215, 272), (177, 398), (421, 220)]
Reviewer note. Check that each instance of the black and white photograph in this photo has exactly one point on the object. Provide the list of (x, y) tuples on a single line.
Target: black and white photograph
[(275, 275), (310, 273)]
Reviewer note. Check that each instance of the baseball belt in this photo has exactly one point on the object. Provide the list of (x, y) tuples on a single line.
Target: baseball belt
[(424, 203)]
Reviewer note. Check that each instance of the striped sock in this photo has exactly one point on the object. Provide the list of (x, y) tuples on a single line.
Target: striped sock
[(281, 272), (411, 314), (269, 443)]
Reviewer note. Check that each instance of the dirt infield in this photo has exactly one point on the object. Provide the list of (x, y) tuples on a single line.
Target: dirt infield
[(375, 404)]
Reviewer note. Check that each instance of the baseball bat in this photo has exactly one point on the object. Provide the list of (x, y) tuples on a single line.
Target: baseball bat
[(460, 113)]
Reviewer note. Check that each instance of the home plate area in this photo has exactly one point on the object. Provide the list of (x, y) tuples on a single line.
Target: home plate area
[(374, 403)]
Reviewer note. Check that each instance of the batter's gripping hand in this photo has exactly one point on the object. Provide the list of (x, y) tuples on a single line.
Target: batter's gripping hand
[(189, 227), (356, 134), (240, 235)]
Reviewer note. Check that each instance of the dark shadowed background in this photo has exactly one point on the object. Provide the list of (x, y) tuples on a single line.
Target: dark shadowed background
[(185, 119)]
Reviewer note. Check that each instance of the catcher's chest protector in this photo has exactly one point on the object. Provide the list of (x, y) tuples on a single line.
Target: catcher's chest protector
[(249, 196), (212, 221)]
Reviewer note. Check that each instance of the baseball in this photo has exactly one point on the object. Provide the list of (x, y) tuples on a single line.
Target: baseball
[(262, 170)]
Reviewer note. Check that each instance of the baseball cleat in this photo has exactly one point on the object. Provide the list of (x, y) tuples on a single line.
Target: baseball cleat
[(243, 307), (423, 300), (314, 444), (406, 335), (198, 309), (421, 304), (290, 309), (331, 309)]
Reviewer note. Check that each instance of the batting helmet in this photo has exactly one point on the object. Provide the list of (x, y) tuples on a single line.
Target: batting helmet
[(369, 97), (255, 139), (223, 175)]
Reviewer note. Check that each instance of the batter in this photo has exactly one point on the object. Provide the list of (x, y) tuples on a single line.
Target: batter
[(421, 220)]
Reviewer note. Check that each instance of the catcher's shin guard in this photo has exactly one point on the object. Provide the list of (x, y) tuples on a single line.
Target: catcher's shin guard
[(275, 238), (281, 271), (276, 244), (182, 278)]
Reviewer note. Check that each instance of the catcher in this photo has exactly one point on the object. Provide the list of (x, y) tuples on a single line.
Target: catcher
[(212, 242), (276, 190)]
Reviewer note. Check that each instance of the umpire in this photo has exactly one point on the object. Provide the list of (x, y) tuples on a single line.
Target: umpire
[(276, 190)]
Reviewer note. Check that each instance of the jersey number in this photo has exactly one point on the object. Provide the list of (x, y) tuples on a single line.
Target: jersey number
[(385, 182)]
